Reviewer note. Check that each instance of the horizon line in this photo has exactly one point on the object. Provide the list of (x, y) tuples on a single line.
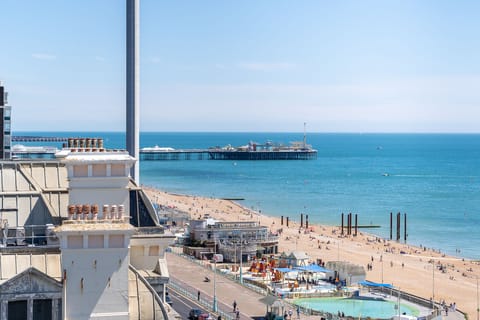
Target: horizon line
[(308, 132)]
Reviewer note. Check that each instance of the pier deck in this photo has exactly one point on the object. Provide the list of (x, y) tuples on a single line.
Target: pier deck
[(218, 154)]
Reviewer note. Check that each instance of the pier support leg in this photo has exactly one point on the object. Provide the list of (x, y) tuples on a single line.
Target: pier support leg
[(391, 225), (341, 231), (356, 224), (398, 226)]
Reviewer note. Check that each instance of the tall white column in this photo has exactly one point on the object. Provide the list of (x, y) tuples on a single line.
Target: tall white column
[(133, 84)]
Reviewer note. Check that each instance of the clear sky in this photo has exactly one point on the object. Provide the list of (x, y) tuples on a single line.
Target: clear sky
[(250, 65)]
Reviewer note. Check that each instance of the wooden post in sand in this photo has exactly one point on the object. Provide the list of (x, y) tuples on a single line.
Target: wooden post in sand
[(350, 224), (356, 224), (306, 221), (301, 220), (341, 231), (398, 226), (281, 220), (287, 221), (405, 228), (391, 225)]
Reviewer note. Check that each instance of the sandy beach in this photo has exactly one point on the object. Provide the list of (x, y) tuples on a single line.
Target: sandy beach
[(406, 267)]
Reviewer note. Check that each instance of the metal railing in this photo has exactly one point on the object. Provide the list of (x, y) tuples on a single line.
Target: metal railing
[(201, 299), (155, 295)]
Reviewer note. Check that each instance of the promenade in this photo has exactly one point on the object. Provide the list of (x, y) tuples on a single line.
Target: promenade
[(227, 290), (191, 275)]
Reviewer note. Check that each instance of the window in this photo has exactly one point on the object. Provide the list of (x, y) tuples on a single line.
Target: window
[(42, 309), (118, 170), (99, 170), (115, 241), (80, 171), (95, 241), (153, 251), (17, 310), (75, 242)]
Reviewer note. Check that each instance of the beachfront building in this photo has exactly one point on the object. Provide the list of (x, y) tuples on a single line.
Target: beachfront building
[(236, 241), (85, 262), (5, 125), (347, 272), (293, 259)]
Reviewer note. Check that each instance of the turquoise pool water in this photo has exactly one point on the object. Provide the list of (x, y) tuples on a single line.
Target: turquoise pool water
[(357, 307)]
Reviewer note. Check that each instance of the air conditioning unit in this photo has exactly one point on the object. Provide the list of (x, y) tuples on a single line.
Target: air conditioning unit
[(20, 236), (50, 234)]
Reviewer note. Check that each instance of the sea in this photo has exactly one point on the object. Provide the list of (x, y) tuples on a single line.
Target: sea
[(432, 179)]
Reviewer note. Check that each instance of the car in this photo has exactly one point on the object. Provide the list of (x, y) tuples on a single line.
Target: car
[(194, 314)]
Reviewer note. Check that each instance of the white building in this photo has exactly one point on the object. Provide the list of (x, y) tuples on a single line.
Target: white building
[(90, 266)]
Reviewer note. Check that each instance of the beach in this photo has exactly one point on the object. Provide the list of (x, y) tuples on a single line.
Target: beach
[(407, 267)]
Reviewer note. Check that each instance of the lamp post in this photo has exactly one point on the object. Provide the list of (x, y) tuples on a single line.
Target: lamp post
[(235, 259), (215, 276), (433, 285), (382, 269), (478, 307), (399, 303), (241, 258)]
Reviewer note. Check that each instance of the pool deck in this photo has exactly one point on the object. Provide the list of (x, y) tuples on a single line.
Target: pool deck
[(228, 291)]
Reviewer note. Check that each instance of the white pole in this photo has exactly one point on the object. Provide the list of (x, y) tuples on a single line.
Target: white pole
[(133, 84), (215, 276), (241, 258), (398, 303), (433, 284), (478, 308), (382, 270), (235, 261)]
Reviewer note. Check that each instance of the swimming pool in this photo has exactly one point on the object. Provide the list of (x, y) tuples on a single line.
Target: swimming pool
[(383, 309)]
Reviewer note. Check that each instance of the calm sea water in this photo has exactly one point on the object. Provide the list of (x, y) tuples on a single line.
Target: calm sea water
[(433, 178)]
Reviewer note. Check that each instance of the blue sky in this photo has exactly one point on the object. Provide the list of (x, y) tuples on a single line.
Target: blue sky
[(269, 65)]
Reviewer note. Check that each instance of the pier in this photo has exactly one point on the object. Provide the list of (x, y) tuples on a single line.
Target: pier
[(38, 139), (180, 154), (219, 154)]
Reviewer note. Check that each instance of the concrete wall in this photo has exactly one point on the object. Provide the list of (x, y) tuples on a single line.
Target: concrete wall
[(96, 285)]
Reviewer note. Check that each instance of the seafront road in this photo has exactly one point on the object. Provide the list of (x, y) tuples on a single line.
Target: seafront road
[(227, 290)]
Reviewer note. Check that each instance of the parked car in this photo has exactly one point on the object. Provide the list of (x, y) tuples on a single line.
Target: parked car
[(194, 314)]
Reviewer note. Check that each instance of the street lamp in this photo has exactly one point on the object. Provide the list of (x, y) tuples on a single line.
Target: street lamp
[(215, 276), (478, 308), (241, 257), (399, 317), (235, 260), (382, 268), (433, 284)]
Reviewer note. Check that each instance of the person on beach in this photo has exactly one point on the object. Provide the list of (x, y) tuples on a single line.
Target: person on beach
[(198, 295), (237, 315), (234, 305)]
